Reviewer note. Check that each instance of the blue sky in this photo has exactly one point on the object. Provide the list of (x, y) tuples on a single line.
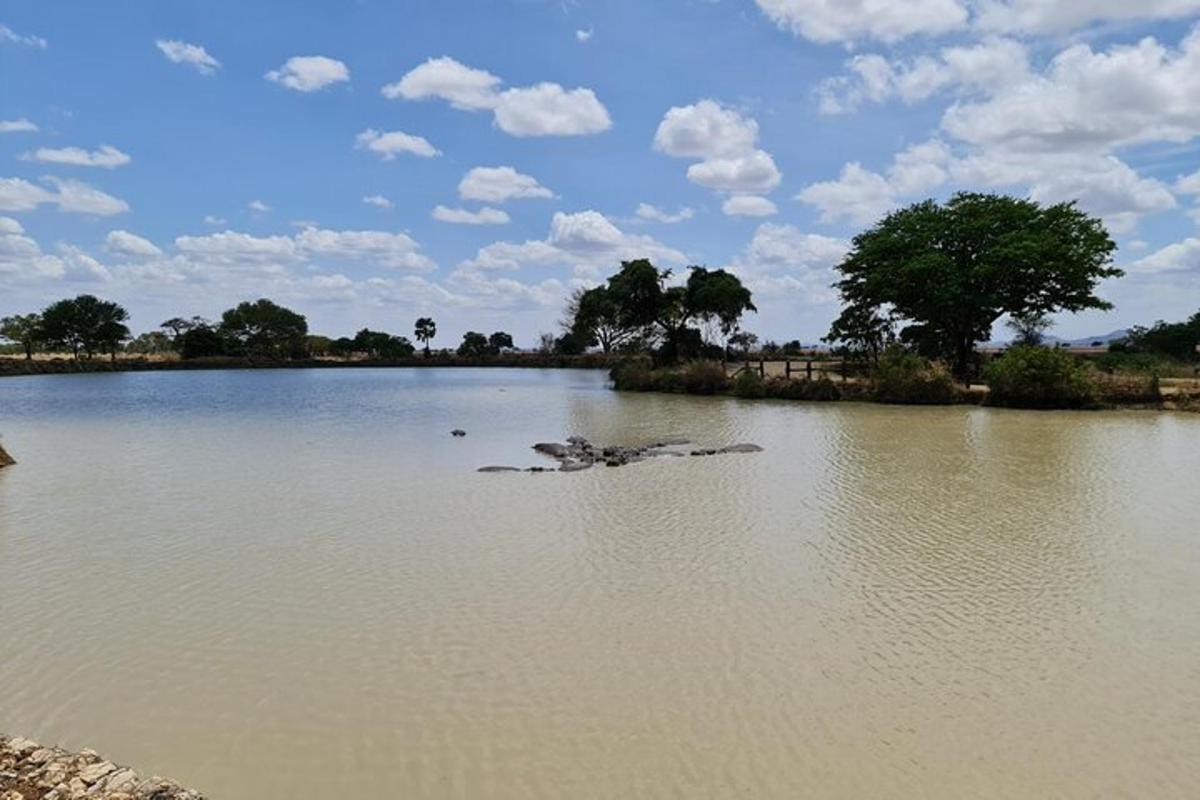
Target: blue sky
[(180, 157)]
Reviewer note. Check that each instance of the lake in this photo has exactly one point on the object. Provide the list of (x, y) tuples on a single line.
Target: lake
[(295, 584)]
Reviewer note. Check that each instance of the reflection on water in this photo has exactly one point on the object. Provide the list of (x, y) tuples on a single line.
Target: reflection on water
[(294, 584)]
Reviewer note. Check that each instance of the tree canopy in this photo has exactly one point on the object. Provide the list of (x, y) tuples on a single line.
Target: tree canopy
[(23, 329), (263, 328), (85, 324), (425, 330), (947, 272)]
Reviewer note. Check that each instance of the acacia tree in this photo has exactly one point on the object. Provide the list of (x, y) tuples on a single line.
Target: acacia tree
[(473, 344), (594, 317), (425, 330), (499, 342), (649, 306), (949, 271), (265, 329), (85, 324), (23, 329)]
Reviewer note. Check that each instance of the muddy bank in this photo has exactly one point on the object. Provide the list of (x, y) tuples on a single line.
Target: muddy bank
[(5, 459), (29, 771)]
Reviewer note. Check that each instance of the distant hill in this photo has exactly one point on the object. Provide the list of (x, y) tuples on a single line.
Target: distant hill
[(1085, 341)]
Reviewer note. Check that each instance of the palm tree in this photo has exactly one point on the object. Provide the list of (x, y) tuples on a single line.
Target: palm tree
[(425, 331)]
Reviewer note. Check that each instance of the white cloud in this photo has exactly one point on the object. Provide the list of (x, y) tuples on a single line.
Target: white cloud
[(1182, 256), (990, 65), (1090, 100), (130, 244), (377, 200), (1057, 16), (850, 20), (387, 144), (22, 259), (194, 55), (858, 195), (655, 214), (461, 216), (309, 73), (583, 35), (1189, 184), (499, 184), (545, 109), (549, 110), (725, 140), (705, 130), (465, 88), (9, 36), (212, 219), (782, 263), (107, 156), (71, 196), (586, 241), (21, 125), (232, 248), (747, 205), (258, 207), (750, 173)]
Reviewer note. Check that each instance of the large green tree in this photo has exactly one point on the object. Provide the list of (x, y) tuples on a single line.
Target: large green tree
[(23, 329), (85, 324), (649, 306), (263, 328), (948, 271)]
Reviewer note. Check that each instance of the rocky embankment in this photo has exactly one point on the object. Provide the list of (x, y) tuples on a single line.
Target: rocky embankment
[(578, 454), (5, 459), (29, 771)]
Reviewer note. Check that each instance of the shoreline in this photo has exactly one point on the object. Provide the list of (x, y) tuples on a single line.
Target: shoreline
[(65, 366), (30, 771)]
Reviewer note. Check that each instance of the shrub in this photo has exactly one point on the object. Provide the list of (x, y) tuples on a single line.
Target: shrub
[(1040, 377), (905, 378), (633, 375), (749, 384), (704, 377), (822, 389)]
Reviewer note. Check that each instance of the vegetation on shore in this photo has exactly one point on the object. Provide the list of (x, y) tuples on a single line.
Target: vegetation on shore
[(920, 291)]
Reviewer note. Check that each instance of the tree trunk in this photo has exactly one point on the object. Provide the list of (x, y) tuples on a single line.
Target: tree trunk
[(29, 351)]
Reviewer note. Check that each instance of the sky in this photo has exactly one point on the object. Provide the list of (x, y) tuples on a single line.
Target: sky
[(368, 162)]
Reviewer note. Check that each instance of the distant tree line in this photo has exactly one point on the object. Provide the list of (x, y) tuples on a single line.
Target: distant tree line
[(86, 326)]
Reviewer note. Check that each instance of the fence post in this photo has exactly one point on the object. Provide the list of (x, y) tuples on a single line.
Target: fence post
[(762, 368), (843, 370), (808, 369)]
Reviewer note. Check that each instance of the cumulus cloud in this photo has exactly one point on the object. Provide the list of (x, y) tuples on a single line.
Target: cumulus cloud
[(726, 142), (129, 244), (258, 207), (582, 35), (71, 196), (107, 156), (500, 184), (655, 214), (377, 200), (22, 259), (21, 125), (545, 109), (1179, 257), (587, 241), (462, 216), (858, 195), (212, 219), (309, 73), (990, 65), (744, 205), (1055, 16), (386, 144), (884, 20), (193, 55), (783, 263)]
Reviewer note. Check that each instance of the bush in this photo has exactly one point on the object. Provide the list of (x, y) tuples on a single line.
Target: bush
[(905, 378), (704, 377), (1040, 377), (749, 384), (821, 390), (633, 375)]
